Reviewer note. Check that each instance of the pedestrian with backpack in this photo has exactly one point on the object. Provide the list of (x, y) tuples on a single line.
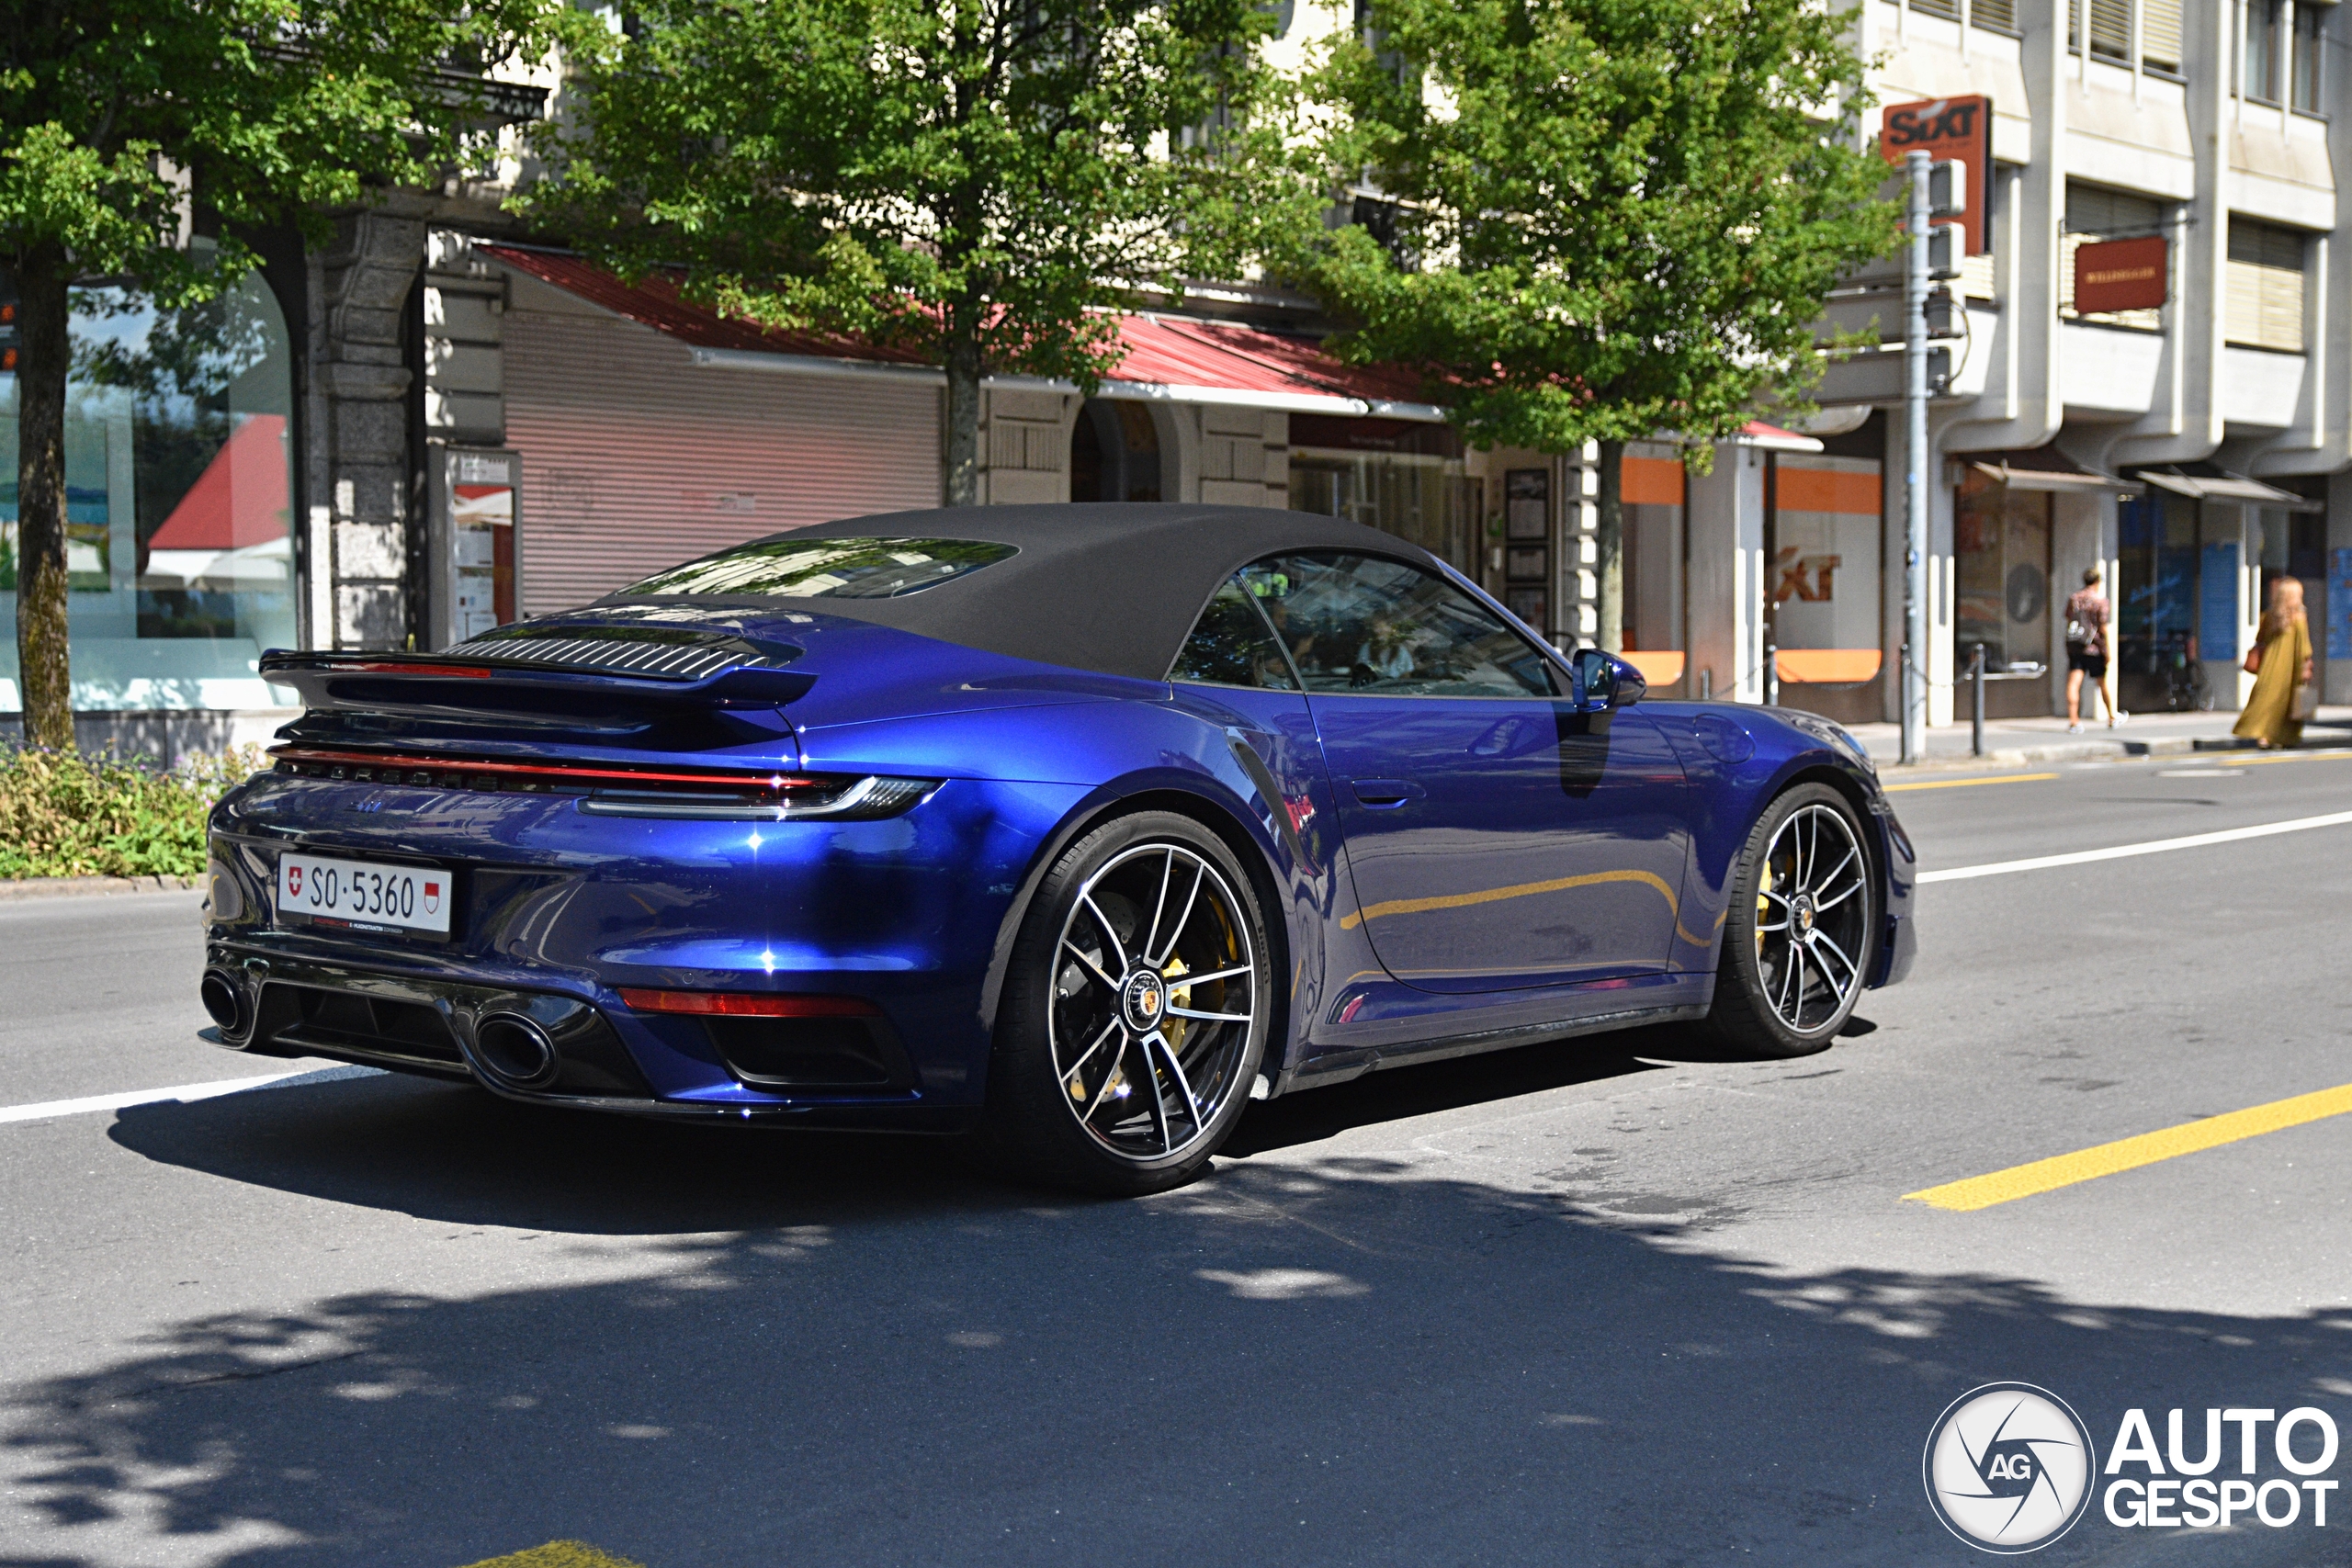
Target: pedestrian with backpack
[(2088, 624)]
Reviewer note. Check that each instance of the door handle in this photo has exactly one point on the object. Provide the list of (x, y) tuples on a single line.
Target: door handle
[(1386, 793)]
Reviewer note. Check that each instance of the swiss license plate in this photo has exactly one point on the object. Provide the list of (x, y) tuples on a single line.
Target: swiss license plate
[(364, 894)]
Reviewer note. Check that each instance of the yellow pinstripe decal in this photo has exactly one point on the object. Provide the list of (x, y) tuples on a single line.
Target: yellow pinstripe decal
[(1494, 895)]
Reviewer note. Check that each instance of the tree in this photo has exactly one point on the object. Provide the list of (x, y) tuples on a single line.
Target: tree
[(1601, 219), (975, 180), (123, 123)]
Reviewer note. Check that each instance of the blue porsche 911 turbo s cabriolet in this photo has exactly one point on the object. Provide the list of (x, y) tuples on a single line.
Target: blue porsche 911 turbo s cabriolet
[(1066, 830)]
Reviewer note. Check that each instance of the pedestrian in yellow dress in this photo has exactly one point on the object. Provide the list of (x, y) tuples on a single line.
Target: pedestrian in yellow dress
[(2282, 662)]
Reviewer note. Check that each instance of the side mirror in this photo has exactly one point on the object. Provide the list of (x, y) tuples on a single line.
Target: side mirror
[(1604, 682)]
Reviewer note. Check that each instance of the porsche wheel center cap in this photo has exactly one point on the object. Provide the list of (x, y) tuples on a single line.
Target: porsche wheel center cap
[(1143, 1000), (1801, 911)]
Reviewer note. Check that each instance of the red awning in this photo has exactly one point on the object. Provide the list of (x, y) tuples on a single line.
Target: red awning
[(1166, 357)]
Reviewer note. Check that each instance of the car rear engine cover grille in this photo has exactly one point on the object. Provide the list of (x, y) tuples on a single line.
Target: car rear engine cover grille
[(651, 653)]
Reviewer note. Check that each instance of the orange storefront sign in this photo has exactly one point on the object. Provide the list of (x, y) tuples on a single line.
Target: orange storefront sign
[(1950, 128)]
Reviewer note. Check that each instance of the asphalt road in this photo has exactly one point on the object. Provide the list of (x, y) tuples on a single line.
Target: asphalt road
[(1608, 1302)]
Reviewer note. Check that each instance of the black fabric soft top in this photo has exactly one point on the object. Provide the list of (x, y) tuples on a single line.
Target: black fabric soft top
[(1113, 588)]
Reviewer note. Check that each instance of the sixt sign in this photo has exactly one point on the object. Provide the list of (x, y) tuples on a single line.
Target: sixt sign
[(1959, 129)]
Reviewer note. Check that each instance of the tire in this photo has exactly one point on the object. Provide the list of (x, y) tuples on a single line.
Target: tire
[(1776, 993), (1099, 1008)]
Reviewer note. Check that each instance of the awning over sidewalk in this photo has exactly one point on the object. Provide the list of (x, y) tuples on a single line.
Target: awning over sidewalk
[(1167, 358), (2048, 469), (2203, 481)]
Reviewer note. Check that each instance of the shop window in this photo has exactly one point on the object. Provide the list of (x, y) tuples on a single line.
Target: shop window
[(179, 550), (2264, 306), (1653, 501), (2001, 577), (1821, 572), (2156, 592)]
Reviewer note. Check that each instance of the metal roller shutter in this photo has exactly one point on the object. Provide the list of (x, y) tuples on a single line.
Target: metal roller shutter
[(636, 458)]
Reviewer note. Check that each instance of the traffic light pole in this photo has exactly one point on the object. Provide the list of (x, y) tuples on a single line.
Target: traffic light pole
[(1915, 474)]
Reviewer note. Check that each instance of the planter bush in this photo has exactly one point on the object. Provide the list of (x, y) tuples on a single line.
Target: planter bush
[(69, 814)]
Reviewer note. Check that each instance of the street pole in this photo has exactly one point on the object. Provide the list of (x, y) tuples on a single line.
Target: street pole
[(1915, 474)]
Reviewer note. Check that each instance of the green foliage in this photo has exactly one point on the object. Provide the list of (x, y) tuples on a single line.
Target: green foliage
[(66, 814), (1619, 217), (966, 178), (278, 108)]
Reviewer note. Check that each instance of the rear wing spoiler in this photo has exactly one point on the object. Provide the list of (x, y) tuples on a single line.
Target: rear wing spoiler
[(522, 683)]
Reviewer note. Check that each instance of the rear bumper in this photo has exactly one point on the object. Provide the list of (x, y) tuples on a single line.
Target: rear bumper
[(427, 1018)]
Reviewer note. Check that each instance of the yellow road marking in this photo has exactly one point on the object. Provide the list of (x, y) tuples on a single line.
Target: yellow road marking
[(2130, 1154), (1492, 895), (1960, 784), (556, 1554), (2259, 760)]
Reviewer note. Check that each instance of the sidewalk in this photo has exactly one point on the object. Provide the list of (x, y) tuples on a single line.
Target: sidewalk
[(2016, 740)]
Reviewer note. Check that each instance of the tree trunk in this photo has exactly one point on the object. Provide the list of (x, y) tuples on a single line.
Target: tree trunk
[(963, 424), (1609, 546), (44, 677)]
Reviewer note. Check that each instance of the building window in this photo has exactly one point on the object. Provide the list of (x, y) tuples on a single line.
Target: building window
[(2093, 215), (1399, 476), (2262, 50), (2160, 34), (178, 476), (2111, 31), (1999, 14), (2265, 305), (2306, 63)]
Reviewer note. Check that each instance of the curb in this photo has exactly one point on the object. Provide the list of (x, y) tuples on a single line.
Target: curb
[(87, 886), (2085, 751)]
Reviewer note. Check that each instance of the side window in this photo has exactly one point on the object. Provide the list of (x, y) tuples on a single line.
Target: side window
[(1362, 623), (1229, 647)]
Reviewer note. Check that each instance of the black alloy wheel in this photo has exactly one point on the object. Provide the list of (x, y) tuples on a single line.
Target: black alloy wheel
[(1135, 1014), (1799, 936)]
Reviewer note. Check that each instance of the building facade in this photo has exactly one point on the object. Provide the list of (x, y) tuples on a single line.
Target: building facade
[(431, 426), (2195, 445)]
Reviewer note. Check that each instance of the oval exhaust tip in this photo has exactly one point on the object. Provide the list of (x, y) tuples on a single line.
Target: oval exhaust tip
[(225, 1000), (515, 1050)]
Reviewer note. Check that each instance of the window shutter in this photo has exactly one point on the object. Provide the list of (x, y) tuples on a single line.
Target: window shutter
[(2001, 14), (2111, 28), (2159, 34), (2265, 303)]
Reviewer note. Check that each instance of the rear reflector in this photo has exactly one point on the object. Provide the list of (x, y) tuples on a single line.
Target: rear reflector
[(747, 1004)]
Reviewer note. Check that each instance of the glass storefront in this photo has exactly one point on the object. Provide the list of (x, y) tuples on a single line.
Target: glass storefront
[(2157, 605), (178, 472), (2001, 574)]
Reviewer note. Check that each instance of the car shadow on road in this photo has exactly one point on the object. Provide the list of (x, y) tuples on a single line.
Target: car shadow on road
[(855, 1358), (456, 1153)]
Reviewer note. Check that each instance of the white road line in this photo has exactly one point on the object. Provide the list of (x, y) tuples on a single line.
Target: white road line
[(2124, 852), (183, 1093)]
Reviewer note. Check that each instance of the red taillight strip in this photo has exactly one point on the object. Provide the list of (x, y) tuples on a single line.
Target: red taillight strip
[(543, 770), (747, 1004), (391, 667)]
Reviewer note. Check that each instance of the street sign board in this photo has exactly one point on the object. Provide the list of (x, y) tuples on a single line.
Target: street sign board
[(2120, 275), (1950, 128)]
